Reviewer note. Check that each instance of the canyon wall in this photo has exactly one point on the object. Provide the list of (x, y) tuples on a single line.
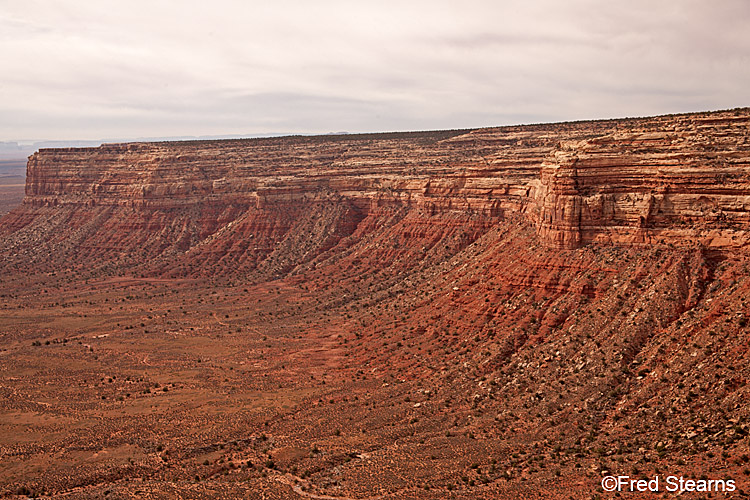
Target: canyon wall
[(680, 180), (687, 180)]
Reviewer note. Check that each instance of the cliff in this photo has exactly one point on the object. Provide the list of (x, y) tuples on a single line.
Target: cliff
[(180, 206), (684, 181)]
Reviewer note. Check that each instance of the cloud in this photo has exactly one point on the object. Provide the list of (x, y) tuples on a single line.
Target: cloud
[(80, 69)]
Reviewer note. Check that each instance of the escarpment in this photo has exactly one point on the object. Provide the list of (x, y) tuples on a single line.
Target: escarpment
[(176, 206), (506, 312), (688, 181)]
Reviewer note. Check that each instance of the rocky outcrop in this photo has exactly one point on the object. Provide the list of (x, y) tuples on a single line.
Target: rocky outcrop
[(687, 181)]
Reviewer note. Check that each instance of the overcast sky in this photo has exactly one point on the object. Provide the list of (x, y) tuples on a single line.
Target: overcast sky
[(80, 69)]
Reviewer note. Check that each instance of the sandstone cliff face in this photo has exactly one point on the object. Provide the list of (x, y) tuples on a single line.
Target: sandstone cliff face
[(672, 180), (688, 179)]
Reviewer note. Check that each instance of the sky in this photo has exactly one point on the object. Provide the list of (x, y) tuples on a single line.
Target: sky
[(96, 69)]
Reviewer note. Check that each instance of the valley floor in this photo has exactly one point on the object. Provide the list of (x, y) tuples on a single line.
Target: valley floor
[(476, 364)]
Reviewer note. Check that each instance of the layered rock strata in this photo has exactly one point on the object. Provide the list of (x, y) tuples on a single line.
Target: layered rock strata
[(687, 181), (670, 179)]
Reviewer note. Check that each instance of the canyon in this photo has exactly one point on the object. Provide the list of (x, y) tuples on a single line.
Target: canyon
[(492, 313)]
